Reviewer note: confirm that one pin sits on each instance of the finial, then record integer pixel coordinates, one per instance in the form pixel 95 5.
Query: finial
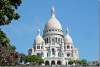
pixel 53 11
pixel 38 31
pixel 67 30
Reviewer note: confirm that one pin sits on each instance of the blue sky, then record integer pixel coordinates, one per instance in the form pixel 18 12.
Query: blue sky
pixel 81 16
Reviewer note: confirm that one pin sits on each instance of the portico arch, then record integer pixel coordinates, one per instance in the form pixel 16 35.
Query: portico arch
pixel 53 62
pixel 59 62
pixel 47 62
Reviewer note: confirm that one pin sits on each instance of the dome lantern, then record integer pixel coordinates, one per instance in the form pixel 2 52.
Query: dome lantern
pixel 53 12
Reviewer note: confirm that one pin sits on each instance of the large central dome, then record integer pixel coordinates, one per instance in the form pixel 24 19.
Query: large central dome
pixel 53 22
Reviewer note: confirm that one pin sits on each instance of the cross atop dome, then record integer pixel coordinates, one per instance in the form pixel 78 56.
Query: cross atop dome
pixel 67 31
pixel 38 31
pixel 53 11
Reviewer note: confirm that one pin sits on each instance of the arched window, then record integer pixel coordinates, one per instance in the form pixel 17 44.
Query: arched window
pixel 52 39
pixel 56 39
pixel 60 40
pixel 53 51
pixel 68 47
pixel 47 40
pixel 38 54
pixel 38 47
pixel 68 54
pixel 0 50
pixel 49 29
pixel 52 29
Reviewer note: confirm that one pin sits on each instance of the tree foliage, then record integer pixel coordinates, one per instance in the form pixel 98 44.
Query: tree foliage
pixel 70 62
pixel 78 62
pixel 83 62
pixel 34 59
pixel 8 11
pixel 8 55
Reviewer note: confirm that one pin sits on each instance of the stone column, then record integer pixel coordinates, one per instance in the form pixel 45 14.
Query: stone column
pixel 56 53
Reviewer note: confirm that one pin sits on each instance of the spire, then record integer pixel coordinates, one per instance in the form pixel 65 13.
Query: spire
pixel 38 31
pixel 53 11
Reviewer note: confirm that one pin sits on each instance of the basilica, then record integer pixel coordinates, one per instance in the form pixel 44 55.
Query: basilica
pixel 55 46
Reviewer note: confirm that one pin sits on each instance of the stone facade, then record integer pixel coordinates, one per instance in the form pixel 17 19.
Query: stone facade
pixel 55 47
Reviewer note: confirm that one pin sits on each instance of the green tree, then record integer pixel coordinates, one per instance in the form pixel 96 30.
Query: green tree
pixel 34 59
pixel 39 60
pixel 8 11
pixel 83 62
pixel 8 55
pixel 78 62
pixel 70 62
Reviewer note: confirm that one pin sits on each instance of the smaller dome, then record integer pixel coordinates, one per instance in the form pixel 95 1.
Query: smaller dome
pixel 39 40
pixel 68 38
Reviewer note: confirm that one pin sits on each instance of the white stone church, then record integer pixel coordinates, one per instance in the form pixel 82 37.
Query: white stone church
pixel 55 46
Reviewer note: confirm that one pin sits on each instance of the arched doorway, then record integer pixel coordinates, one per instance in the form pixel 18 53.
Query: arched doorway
pixel 53 62
pixel 46 62
pixel 59 62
